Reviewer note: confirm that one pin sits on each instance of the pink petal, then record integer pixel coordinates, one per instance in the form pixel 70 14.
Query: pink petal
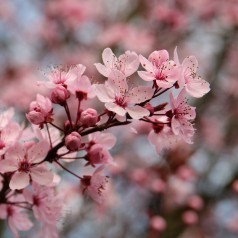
pixel 140 94
pixel 132 63
pixel 190 63
pixel 164 84
pixel 147 76
pixel 19 180
pixel 18 152
pixel 175 125
pixel 102 69
pixel 108 57
pixel 197 87
pixel 102 93
pixel 38 152
pixel 146 64
pixel 115 108
pixel 117 80
pixel 137 112
pixel 41 175
pixel 20 222
pixel 176 59
pixel 159 56
pixel 8 165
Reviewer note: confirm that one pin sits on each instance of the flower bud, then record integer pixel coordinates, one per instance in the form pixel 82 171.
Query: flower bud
pixel 40 111
pixel 73 141
pixel 89 117
pixel 59 95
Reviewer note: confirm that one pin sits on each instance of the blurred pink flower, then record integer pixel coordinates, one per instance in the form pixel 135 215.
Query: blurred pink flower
pixel 16 219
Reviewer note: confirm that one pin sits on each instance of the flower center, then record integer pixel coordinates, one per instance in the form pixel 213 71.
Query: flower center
pixel 24 166
pixel 2 144
pixel 121 101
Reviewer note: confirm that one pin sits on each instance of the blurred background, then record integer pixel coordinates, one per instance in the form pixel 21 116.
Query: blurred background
pixel 189 191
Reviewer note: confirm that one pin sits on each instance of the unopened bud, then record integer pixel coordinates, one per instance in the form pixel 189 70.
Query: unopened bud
pixel 89 117
pixel 59 95
pixel 73 141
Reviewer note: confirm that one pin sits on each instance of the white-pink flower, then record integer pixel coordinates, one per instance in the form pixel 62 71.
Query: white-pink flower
pixel 118 98
pixel 40 111
pixel 96 185
pixel 22 161
pixel 193 84
pixel 58 77
pixel 17 220
pixel 181 114
pixel 81 86
pixel 159 68
pixel 162 137
pixel 126 63
pixel 46 205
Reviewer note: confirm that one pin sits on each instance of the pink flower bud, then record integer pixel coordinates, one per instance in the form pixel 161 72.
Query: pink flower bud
pixel 59 95
pixel 89 117
pixel 158 223
pixel 190 217
pixel 40 111
pixel 73 141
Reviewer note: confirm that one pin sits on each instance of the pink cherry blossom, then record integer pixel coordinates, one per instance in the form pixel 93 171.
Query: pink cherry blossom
pixel 118 98
pixel 126 63
pixel 22 161
pixel 17 220
pixel 46 205
pixel 40 111
pixel 159 68
pixel 193 84
pixel 181 114
pixel 80 85
pixel 96 185
pixel 162 137
pixel 58 77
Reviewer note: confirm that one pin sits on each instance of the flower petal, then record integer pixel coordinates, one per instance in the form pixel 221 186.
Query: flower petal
pixel 19 180
pixel 137 112
pixel 140 94
pixel 38 152
pixel 115 108
pixel 41 175
pixel 102 69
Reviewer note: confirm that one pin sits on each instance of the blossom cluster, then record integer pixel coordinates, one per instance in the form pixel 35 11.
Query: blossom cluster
pixel 31 157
